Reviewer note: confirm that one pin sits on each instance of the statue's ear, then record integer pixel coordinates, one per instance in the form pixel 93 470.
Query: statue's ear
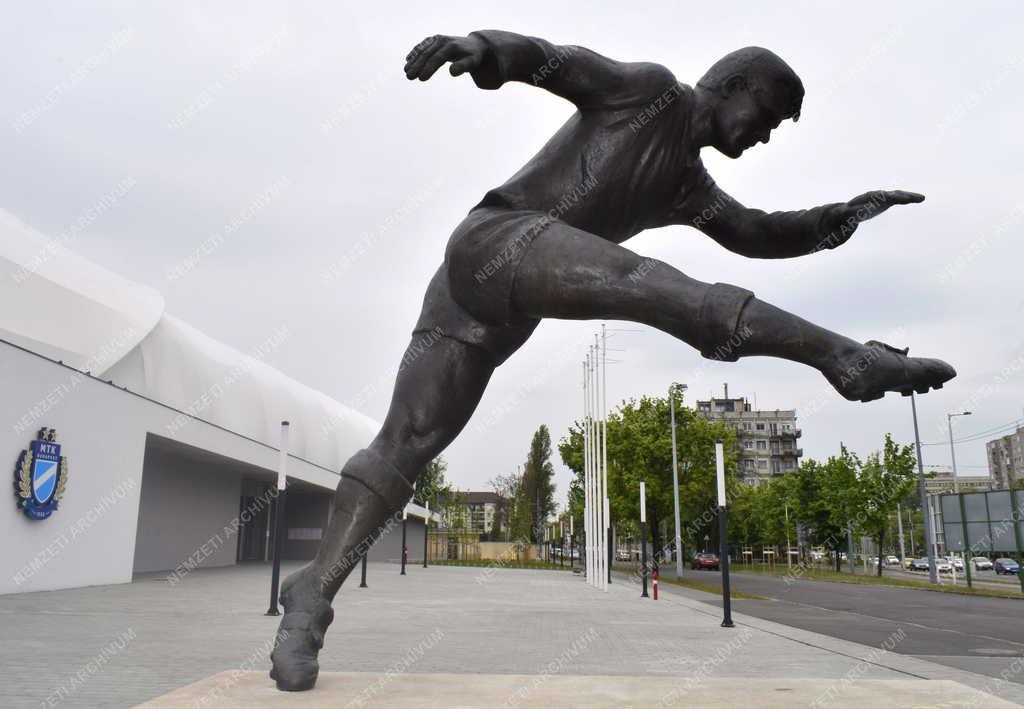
pixel 734 84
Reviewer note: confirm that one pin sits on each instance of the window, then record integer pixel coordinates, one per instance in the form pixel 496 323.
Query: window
pixel 762 445
pixel 748 463
pixel 763 464
pixel 760 427
pixel 746 425
pixel 785 427
pixel 748 444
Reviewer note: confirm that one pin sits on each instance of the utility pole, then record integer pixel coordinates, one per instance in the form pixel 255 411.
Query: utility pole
pixel 899 526
pixel 929 533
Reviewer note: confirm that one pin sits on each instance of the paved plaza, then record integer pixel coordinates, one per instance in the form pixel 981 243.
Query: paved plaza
pixel 125 644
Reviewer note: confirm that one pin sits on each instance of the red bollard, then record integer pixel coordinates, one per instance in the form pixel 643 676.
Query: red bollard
pixel 654 579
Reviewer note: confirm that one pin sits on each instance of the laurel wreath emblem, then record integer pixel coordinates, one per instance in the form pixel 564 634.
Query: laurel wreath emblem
pixel 25 475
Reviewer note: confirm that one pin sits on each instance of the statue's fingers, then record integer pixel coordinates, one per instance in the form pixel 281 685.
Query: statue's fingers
pixel 419 48
pixel 439 57
pixel 905 197
pixel 415 65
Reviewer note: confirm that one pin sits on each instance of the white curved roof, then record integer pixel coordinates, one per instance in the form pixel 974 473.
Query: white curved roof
pixel 67 308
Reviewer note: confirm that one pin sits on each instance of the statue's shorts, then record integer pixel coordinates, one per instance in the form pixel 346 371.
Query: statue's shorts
pixel 469 299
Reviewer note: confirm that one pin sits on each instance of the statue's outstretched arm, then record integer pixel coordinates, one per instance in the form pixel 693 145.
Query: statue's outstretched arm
pixel 494 57
pixel 758 234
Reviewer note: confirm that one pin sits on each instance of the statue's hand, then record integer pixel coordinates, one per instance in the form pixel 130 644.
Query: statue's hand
pixel 867 206
pixel 870 204
pixel 465 54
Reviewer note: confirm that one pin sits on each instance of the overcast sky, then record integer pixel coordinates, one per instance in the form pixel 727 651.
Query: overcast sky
pixel 289 139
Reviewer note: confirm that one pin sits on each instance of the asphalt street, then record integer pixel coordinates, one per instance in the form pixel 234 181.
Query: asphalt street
pixel 975 633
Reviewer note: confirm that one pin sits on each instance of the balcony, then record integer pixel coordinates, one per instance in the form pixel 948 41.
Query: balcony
pixel 792 453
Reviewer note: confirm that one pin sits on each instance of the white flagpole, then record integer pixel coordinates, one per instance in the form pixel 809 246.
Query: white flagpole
pixel 586 469
pixel 595 520
pixel 592 535
pixel 604 444
pixel 602 536
pixel 589 469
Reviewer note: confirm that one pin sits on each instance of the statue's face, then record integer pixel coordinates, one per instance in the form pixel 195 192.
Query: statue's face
pixel 742 120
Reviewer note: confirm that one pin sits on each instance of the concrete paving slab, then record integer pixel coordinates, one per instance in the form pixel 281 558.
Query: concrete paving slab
pixel 353 689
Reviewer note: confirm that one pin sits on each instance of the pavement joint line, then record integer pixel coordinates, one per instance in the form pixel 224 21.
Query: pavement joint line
pixel 896 662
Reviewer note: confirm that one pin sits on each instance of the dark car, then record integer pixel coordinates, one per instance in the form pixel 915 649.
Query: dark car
pixel 1006 566
pixel 704 561
pixel 919 565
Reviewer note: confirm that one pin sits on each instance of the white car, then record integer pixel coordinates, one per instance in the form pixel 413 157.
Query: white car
pixel 982 563
pixel 892 561
pixel 957 563
pixel 943 566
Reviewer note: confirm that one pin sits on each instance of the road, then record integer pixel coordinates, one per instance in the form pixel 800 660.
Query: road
pixel 974 633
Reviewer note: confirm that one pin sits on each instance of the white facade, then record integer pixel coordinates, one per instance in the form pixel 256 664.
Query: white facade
pixel 199 418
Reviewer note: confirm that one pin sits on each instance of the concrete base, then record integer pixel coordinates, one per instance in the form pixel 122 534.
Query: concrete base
pixel 359 689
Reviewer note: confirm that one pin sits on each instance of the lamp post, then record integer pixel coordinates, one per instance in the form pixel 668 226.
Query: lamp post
pixel 929 534
pixel 952 450
pixel 426 528
pixel 723 536
pixel 405 514
pixel 675 474
pixel 279 512
pixel 643 536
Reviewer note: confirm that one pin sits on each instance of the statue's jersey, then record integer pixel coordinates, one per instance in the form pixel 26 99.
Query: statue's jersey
pixel 624 162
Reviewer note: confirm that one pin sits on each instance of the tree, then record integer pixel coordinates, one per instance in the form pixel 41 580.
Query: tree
pixel 505 487
pixel 885 480
pixel 640 448
pixel 431 486
pixel 536 501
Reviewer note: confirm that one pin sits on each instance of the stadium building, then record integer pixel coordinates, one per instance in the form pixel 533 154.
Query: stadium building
pixel 138 444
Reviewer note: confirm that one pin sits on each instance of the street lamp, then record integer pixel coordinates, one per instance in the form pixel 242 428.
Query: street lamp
pixel 952 451
pixel 929 533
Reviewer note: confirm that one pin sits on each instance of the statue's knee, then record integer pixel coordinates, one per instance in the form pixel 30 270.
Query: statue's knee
pixel 377 470
pixel 719 321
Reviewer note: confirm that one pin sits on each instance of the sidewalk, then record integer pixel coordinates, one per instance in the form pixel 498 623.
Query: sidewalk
pixel 121 645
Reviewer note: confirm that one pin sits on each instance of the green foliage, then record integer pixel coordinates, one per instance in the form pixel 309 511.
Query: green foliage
pixel 640 448
pixel 431 486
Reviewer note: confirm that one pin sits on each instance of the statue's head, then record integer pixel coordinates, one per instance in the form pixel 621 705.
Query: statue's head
pixel 751 91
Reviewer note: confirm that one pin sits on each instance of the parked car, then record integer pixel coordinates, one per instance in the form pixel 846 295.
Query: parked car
pixel 982 563
pixel 956 561
pixel 1006 566
pixel 942 566
pixel 891 561
pixel 908 563
pixel 704 561
pixel 919 565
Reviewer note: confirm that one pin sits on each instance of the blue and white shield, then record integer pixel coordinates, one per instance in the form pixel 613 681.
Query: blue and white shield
pixel 44 480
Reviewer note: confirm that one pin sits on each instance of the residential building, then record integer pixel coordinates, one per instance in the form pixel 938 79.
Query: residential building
pixel 766 440
pixel 478 512
pixel 1006 459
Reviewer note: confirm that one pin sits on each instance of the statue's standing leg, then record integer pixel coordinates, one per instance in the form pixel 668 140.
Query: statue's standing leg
pixel 572 274
pixel 437 389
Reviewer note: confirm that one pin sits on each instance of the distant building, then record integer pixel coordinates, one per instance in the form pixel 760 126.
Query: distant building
pixel 766 440
pixel 942 481
pixel 1006 459
pixel 478 510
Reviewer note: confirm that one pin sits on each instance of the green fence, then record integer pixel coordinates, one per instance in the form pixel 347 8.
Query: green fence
pixel 984 523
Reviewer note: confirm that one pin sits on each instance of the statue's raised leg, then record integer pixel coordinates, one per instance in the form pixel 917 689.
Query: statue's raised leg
pixel 572 274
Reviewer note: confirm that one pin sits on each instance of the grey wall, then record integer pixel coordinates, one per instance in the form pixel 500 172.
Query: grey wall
pixel 185 507
pixel 388 546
